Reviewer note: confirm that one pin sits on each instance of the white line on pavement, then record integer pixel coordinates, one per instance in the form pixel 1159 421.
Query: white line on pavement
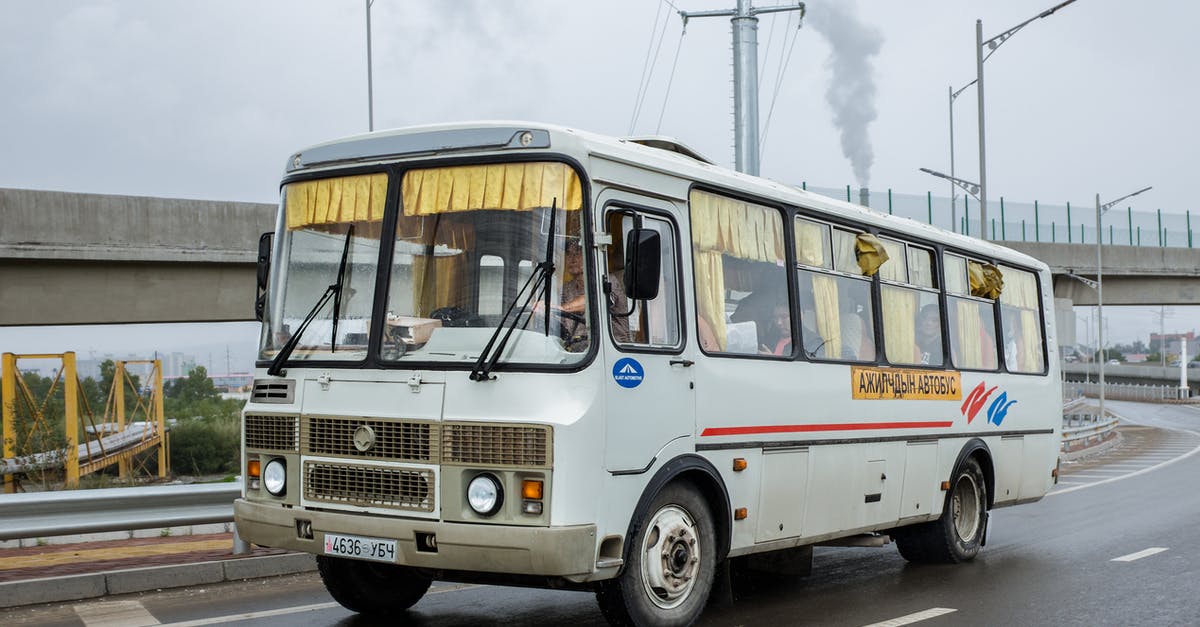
pixel 114 614
pixel 1137 472
pixel 917 617
pixel 1154 550
pixel 283 611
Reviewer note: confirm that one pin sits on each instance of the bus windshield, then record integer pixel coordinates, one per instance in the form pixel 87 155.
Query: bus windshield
pixel 459 265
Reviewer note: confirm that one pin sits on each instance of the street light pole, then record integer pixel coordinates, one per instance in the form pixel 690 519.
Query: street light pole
pixel 953 195
pixel 370 86
pixel 1100 209
pixel 992 44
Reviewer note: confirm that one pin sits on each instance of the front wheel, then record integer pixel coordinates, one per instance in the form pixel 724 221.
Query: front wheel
pixel 671 566
pixel 957 535
pixel 371 588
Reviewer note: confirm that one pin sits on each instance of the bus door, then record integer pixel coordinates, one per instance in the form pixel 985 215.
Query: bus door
pixel 648 385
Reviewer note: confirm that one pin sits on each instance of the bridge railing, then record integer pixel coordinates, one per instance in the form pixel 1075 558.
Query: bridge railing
pixel 1050 222
pixel 1127 391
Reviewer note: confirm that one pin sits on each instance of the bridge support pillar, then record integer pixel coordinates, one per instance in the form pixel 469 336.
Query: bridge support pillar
pixel 1064 323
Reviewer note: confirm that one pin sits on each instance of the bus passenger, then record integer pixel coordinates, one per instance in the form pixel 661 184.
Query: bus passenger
pixel 929 336
pixel 858 343
pixel 778 336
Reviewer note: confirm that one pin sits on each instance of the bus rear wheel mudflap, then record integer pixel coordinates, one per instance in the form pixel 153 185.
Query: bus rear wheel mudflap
pixel 371 588
pixel 957 535
pixel 671 565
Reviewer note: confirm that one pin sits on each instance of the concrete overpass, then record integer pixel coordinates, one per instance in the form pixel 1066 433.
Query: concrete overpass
pixel 68 258
pixel 1137 374
pixel 1133 275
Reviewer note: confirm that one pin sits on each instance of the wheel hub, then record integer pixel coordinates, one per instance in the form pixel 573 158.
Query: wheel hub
pixel 670 557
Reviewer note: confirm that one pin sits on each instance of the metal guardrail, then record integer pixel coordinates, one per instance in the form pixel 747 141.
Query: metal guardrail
pixel 1128 391
pixel 41 514
pixel 1088 431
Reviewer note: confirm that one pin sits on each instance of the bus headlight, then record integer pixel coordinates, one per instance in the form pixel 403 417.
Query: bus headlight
pixel 275 477
pixel 485 495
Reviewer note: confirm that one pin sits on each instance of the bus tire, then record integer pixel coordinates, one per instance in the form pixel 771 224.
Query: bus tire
pixel 371 588
pixel 671 566
pixel 957 535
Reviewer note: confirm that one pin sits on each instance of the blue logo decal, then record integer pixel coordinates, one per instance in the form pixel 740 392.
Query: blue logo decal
pixel 628 373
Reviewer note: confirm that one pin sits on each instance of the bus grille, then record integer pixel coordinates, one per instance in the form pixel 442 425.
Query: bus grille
pixel 272 433
pixel 389 439
pixel 496 445
pixel 369 486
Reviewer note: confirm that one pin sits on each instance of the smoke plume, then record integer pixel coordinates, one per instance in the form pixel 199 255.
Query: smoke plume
pixel 851 91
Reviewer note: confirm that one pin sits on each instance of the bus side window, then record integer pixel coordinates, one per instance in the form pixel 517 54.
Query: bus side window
pixel 741 286
pixel 970 312
pixel 651 323
pixel 1021 322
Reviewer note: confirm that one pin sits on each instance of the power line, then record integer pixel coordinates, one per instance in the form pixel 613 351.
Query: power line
pixel 642 82
pixel 671 78
pixel 652 65
pixel 782 70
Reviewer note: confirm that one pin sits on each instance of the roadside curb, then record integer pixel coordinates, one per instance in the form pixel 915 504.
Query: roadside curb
pixel 91 585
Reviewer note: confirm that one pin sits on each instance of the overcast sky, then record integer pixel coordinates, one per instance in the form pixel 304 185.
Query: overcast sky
pixel 207 99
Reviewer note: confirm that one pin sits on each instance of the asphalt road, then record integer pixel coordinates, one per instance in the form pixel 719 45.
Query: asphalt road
pixel 1111 545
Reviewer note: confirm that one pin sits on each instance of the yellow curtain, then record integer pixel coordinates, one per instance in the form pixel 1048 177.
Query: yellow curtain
pixel 986 280
pixel 810 243
pixel 436 286
pixel 829 321
pixel 506 186
pixel 1030 342
pixel 970 348
pixel 710 292
pixel 870 253
pixel 340 200
pixel 899 324
pixel 736 227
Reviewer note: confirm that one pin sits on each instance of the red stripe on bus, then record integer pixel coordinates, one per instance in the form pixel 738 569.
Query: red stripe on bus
pixel 846 426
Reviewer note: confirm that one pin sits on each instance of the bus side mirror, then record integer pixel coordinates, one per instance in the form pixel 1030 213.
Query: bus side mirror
pixel 264 270
pixel 643 254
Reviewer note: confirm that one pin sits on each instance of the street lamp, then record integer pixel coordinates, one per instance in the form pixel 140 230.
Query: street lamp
pixel 370 87
pixel 953 194
pixel 992 44
pixel 967 186
pixel 1100 210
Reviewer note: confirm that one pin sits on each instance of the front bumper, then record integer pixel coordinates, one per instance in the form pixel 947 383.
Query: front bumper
pixel 543 551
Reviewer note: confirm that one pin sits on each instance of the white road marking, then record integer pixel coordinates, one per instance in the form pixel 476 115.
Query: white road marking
pixel 917 617
pixel 1136 472
pixel 114 614
pixel 1140 554
pixel 283 611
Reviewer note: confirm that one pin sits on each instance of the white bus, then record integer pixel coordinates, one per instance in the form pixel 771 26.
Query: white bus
pixel 525 354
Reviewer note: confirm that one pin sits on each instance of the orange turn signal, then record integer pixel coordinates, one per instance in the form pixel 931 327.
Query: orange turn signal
pixel 739 464
pixel 740 513
pixel 945 485
pixel 531 489
pixel 253 469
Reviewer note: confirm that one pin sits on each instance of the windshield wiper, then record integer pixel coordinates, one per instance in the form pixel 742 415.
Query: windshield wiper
pixel 540 280
pixel 334 291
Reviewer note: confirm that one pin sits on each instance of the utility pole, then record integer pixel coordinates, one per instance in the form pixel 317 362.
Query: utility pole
pixel 745 76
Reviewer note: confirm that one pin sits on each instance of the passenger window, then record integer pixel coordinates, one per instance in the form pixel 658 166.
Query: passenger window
pixel 741 286
pixel 912 315
pixel 649 323
pixel 836 319
pixel 971 312
pixel 1021 322
pixel 896 267
pixel 812 244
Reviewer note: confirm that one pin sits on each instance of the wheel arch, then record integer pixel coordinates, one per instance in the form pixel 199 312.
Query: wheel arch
pixel 701 474
pixel 978 449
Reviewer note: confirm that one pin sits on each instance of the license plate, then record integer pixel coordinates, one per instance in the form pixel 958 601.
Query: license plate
pixel 358 547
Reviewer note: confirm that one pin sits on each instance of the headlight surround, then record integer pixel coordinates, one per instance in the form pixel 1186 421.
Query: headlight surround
pixel 274 477
pixel 485 494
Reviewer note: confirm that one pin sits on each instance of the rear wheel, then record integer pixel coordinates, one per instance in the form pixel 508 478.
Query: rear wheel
pixel 671 566
pixel 369 587
pixel 957 535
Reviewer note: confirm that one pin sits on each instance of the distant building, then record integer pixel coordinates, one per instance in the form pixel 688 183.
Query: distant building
pixel 1135 358
pixel 1172 343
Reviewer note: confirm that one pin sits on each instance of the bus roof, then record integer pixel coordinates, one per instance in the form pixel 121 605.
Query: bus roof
pixel 663 154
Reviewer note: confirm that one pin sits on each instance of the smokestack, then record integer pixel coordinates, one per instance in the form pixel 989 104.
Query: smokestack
pixel 864 197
